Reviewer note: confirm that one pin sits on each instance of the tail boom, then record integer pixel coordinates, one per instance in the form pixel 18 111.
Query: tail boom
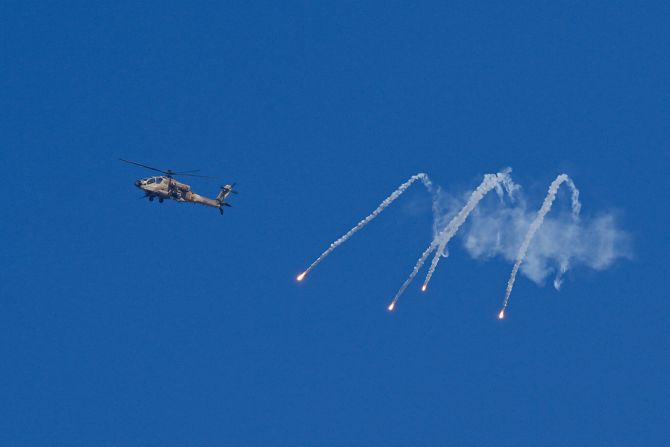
pixel 217 202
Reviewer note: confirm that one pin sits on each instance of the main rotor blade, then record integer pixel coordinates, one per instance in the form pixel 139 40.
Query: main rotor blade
pixel 144 166
pixel 191 175
pixel 170 172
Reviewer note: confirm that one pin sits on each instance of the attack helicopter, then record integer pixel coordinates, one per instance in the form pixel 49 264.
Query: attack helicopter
pixel 166 187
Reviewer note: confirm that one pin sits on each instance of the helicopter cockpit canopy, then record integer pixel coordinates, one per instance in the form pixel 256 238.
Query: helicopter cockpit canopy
pixel 152 180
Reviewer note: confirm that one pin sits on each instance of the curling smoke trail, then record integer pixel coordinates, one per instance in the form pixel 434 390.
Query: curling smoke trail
pixel 576 207
pixel 490 182
pixel 440 241
pixel 535 225
pixel 385 203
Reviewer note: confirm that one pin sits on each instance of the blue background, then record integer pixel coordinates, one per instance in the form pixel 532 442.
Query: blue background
pixel 124 322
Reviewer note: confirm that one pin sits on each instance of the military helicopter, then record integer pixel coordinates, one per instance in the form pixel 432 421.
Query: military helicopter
pixel 166 187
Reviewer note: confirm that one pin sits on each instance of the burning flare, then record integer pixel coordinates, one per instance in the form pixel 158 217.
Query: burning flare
pixel 423 287
pixel 391 306
pixel 501 315
pixel 301 276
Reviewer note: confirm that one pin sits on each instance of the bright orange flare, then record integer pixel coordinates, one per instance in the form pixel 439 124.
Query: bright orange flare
pixel 423 288
pixel 501 315
pixel 391 306
pixel 301 276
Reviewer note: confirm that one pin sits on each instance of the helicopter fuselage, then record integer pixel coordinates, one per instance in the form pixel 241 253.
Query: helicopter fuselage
pixel 168 188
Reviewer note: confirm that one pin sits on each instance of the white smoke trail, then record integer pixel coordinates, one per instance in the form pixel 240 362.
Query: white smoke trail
pixel 593 243
pixel 440 241
pixel 385 203
pixel 576 208
pixel 490 182
pixel 535 225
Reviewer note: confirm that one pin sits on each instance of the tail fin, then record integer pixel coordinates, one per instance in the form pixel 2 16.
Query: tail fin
pixel 225 192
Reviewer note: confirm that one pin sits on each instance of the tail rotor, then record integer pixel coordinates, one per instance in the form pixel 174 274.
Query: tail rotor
pixel 226 190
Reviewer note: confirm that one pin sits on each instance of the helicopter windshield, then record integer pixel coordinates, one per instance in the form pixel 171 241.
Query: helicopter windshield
pixel 159 179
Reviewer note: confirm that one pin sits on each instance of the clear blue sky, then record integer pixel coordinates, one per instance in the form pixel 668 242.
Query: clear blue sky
pixel 124 322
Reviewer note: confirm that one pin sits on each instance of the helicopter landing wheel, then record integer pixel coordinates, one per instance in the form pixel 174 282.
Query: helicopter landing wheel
pixel 160 200
pixel 151 198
